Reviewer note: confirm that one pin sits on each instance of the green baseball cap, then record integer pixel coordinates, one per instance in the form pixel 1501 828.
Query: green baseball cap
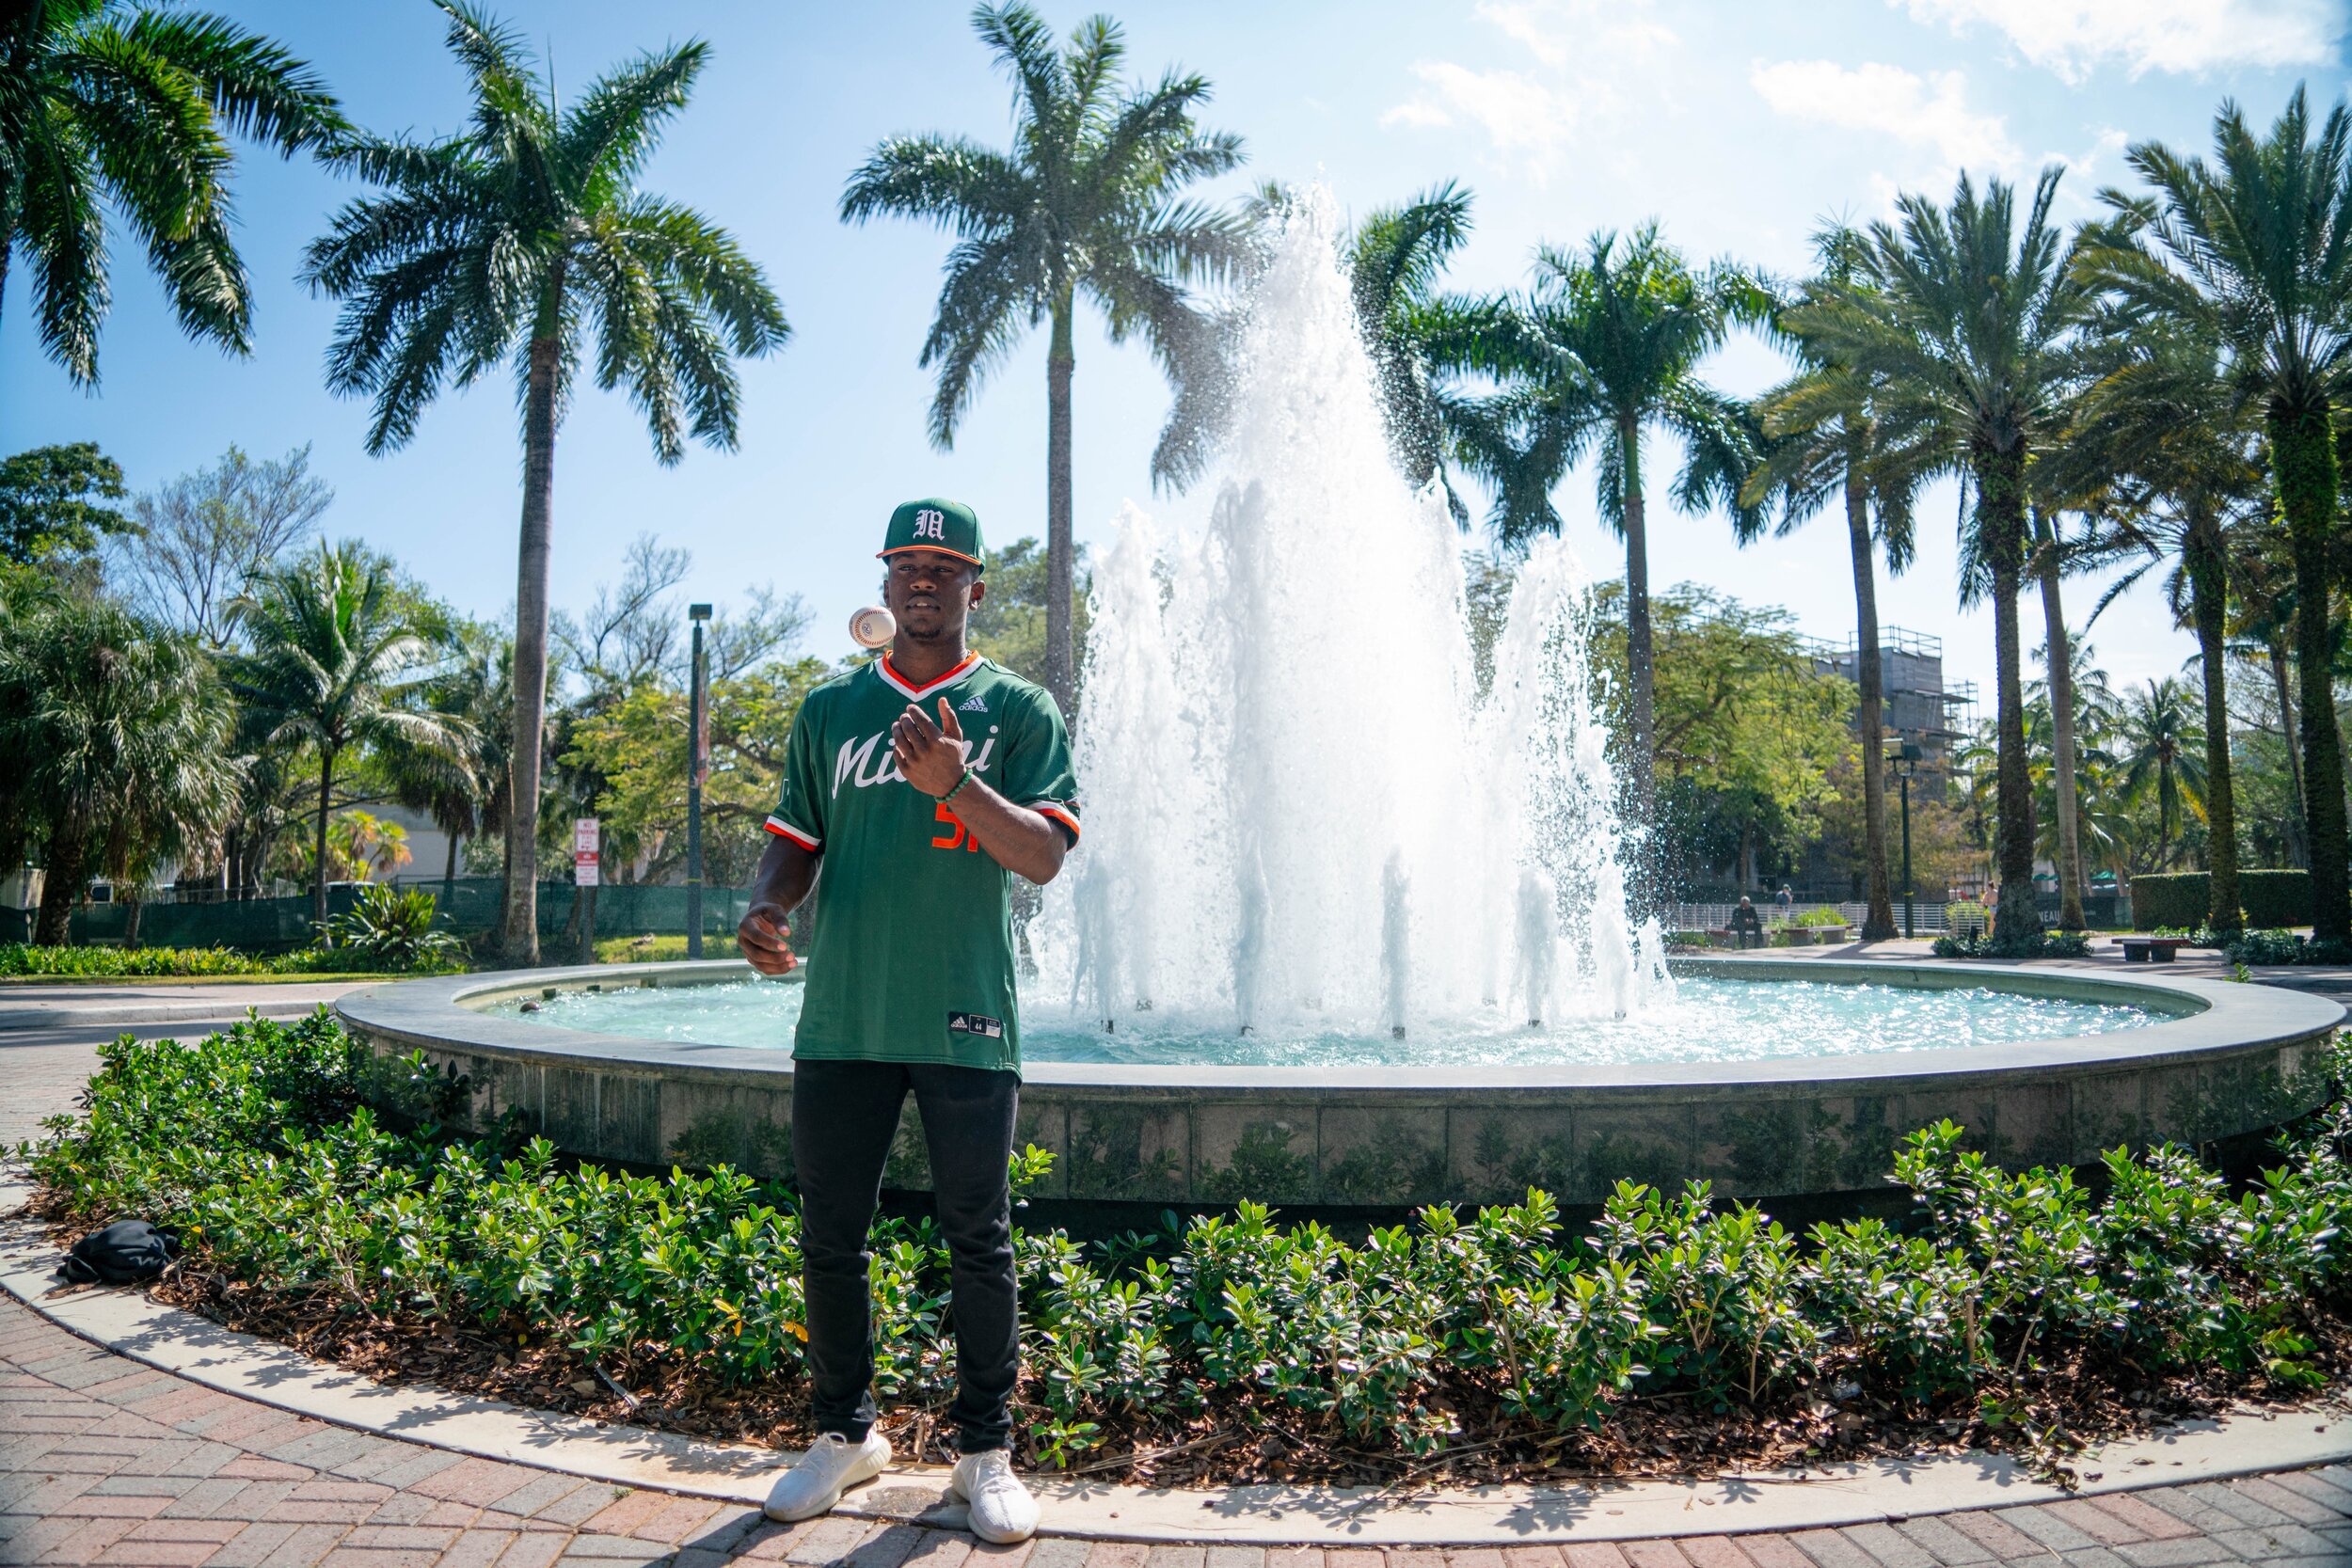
pixel 950 526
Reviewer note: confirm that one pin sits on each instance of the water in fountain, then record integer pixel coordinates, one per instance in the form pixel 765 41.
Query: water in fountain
pixel 1303 815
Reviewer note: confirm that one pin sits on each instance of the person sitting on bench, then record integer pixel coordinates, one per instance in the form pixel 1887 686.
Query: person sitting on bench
pixel 1747 923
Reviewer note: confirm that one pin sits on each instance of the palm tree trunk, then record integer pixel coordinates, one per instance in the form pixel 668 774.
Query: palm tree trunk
pixel 449 879
pixel 1061 660
pixel 2303 452
pixel 2070 847
pixel 1878 919
pixel 2208 591
pixel 520 929
pixel 1641 698
pixel 2299 839
pixel 318 879
pixel 2001 520
pixel 67 866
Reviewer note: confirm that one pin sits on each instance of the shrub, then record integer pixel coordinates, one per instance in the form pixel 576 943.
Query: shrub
pixel 2044 945
pixel 2184 899
pixel 1820 918
pixel 389 930
pixel 17 958
pixel 254 1146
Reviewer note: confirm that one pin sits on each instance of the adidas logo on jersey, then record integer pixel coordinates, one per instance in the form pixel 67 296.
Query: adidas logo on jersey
pixel 973 705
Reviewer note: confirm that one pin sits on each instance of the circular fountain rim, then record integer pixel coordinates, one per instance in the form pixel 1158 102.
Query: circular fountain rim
pixel 2205 1016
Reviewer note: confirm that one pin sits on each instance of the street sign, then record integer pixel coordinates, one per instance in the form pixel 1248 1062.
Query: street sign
pixel 586 841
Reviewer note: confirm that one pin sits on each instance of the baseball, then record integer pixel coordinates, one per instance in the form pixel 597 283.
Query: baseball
pixel 872 626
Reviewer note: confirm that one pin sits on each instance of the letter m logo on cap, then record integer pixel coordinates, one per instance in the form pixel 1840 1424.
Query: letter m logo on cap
pixel 930 523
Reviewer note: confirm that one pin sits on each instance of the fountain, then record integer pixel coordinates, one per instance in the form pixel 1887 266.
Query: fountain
pixel 1349 926
pixel 1295 682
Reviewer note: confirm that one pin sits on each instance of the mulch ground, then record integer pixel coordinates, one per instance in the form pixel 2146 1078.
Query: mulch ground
pixel 1239 1440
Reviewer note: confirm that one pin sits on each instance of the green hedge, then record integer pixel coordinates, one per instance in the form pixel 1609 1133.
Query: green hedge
pixel 2183 900
pixel 1503 1323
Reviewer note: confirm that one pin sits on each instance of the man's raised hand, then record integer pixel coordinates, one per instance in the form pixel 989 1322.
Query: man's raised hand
pixel 762 938
pixel 929 755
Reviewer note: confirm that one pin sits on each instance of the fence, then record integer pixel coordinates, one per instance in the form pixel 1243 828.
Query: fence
pixel 1926 918
pixel 474 905
pixel 2105 911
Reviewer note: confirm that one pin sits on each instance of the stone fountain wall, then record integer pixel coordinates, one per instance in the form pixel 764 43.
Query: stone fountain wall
pixel 2236 1059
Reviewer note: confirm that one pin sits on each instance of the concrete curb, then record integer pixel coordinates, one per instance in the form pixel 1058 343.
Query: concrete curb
pixel 125 1321
pixel 139 1014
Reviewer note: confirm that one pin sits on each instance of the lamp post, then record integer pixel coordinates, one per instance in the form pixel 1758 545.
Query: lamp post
pixel 696 761
pixel 1906 762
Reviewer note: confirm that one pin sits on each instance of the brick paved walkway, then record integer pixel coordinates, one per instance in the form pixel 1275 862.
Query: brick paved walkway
pixel 104 1461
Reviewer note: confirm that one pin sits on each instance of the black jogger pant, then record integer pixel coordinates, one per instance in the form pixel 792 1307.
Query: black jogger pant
pixel 844 1117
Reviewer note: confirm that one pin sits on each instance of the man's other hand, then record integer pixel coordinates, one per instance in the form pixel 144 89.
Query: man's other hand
pixel 762 937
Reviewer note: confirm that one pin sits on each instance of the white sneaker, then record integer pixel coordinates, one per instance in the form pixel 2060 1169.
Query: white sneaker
pixel 832 1465
pixel 1002 1512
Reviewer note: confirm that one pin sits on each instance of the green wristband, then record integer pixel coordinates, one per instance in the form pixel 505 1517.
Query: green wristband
pixel 959 790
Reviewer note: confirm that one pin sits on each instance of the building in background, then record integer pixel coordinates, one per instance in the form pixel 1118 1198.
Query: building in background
pixel 1921 708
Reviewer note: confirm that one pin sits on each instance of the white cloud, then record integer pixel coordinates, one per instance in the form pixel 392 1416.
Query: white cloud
pixel 1928 112
pixel 2070 37
pixel 1521 116
pixel 1570 65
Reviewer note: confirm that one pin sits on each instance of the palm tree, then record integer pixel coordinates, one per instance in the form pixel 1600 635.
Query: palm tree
pixel 2263 620
pixel 2255 250
pixel 2161 753
pixel 2051 555
pixel 101 107
pixel 1825 439
pixel 1607 347
pixel 116 734
pixel 334 660
pixel 454 783
pixel 2163 426
pixel 1417 337
pixel 514 241
pixel 1969 331
pixel 1082 205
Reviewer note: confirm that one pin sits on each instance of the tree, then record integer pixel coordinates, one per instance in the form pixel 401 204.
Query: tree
pixel 53 510
pixel 636 630
pixel 199 538
pixel 1748 735
pixel 1082 205
pixel 457 781
pixel 114 744
pixel 1969 332
pixel 515 240
pixel 2050 554
pixel 1825 439
pixel 1009 626
pixel 1607 347
pixel 102 107
pixel 2163 425
pixel 2162 754
pixel 1418 337
pixel 334 657
pixel 2255 250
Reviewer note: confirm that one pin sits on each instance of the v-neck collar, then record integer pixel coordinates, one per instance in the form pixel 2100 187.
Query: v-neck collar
pixel 906 688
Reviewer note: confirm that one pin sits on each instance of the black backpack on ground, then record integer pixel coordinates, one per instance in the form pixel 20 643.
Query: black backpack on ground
pixel 128 1252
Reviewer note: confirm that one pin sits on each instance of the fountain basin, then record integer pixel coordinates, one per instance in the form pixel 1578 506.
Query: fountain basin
pixel 2220 1060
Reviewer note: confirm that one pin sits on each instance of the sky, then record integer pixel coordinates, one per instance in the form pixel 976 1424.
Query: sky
pixel 1739 127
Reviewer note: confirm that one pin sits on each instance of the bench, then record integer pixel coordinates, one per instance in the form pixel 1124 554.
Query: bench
pixel 2152 950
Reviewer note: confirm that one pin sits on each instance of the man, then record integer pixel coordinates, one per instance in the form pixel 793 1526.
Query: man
pixel 1746 923
pixel 921 783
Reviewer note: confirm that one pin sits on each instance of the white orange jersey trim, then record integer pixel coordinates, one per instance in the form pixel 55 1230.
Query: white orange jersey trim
pixel 904 686
pixel 1059 812
pixel 784 830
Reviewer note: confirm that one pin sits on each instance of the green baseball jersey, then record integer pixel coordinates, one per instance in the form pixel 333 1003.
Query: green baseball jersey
pixel 912 955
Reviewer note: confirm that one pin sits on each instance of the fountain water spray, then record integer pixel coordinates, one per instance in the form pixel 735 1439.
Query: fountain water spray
pixel 1302 812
